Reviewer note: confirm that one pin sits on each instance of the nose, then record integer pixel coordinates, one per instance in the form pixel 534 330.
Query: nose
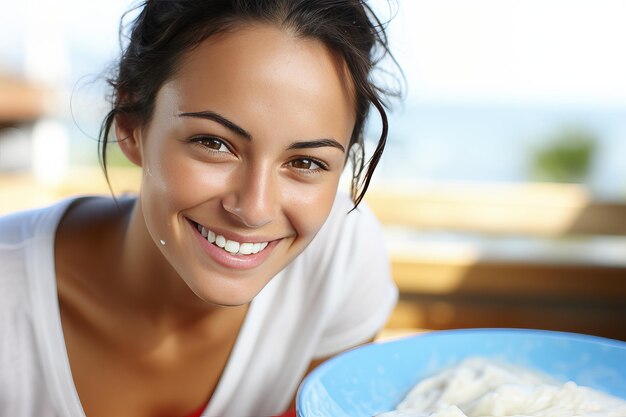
pixel 251 197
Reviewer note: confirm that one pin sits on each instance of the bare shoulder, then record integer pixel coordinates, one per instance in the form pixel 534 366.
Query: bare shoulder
pixel 90 212
pixel 87 232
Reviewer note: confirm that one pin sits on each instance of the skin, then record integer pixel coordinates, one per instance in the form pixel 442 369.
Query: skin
pixel 150 324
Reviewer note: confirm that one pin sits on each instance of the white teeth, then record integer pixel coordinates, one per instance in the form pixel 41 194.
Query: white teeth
pixel 246 248
pixel 231 246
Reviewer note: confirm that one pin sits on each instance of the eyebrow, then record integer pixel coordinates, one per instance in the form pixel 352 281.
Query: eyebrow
pixel 210 115
pixel 216 117
pixel 317 144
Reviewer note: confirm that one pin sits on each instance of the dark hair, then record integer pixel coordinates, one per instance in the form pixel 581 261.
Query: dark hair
pixel 164 30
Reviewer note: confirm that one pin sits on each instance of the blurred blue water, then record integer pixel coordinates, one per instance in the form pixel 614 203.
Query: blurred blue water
pixel 496 142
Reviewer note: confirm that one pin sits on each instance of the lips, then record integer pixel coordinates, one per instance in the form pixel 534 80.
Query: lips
pixel 233 255
pixel 231 246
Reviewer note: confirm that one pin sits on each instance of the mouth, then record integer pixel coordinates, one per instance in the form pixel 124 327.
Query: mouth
pixel 233 247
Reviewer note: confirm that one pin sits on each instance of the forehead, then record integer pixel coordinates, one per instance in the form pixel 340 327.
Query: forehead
pixel 261 71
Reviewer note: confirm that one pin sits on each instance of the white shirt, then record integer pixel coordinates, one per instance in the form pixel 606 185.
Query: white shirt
pixel 336 294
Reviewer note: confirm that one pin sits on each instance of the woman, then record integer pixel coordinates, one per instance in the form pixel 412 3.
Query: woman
pixel 238 268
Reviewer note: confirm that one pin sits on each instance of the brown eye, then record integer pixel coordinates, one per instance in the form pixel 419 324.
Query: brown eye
pixel 308 164
pixel 211 143
pixel 215 144
pixel 302 163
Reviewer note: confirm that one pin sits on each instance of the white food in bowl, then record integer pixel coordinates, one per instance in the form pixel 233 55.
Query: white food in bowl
pixel 479 387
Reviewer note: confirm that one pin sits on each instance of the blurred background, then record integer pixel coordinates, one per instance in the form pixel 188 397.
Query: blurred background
pixel 503 187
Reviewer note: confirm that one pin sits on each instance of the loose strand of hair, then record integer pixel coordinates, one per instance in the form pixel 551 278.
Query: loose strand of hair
pixel 376 155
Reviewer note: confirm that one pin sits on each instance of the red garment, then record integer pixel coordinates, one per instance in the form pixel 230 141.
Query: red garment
pixel 198 412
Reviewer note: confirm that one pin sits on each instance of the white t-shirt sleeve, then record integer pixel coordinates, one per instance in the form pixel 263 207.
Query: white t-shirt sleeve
pixel 363 291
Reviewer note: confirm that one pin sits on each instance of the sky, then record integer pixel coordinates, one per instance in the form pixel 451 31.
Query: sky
pixel 563 52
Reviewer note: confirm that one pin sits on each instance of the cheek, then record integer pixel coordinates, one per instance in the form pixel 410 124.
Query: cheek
pixel 176 181
pixel 308 208
pixel 173 183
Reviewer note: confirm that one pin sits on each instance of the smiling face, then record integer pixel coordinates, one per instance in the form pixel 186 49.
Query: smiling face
pixel 245 146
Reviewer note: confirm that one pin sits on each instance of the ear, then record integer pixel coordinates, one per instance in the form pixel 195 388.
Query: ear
pixel 128 132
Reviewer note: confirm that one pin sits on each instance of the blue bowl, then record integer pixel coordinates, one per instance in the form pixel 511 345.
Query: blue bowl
pixel 374 378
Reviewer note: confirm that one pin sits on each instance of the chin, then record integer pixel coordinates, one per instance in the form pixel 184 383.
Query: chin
pixel 226 295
